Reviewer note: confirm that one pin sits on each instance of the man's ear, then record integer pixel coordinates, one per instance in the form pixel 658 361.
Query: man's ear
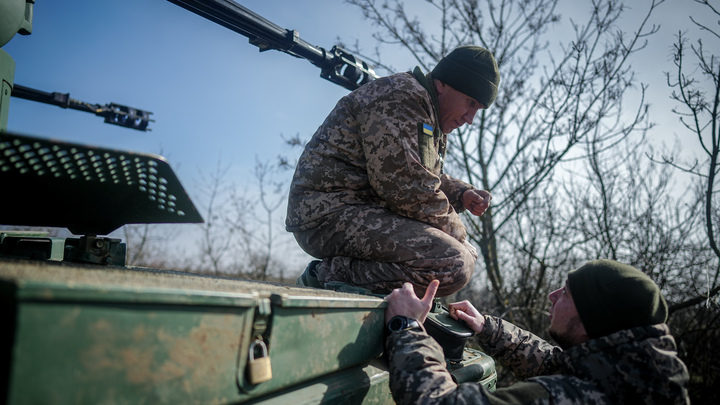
pixel 439 86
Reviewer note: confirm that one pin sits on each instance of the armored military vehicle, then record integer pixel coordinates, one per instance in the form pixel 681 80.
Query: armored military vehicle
pixel 79 326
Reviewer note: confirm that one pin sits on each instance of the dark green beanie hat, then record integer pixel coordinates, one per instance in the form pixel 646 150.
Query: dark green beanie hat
pixel 471 70
pixel 612 296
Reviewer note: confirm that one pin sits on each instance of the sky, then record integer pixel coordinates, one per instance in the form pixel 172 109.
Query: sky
pixel 212 94
pixel 215 97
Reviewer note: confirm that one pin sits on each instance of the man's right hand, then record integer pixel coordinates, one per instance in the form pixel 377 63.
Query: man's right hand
pixel 466 312
pixel 476 201
pixel 403 301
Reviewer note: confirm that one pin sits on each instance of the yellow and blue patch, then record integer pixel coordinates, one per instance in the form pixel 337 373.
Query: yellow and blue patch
pixel 427 129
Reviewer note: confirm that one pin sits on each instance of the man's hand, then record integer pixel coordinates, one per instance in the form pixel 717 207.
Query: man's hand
pixel 464 311
pixel 403 301
pixel 476 201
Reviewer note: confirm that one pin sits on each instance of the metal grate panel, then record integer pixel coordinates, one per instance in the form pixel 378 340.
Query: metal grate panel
pixel 88 190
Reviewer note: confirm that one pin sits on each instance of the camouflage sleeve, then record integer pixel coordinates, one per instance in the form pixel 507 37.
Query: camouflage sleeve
pixel 389 131
pixel 454 189
pixel 566 389
pixel 524 353
pixel 418 376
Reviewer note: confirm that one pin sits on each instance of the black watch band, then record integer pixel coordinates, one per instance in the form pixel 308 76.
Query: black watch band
pixel 400 323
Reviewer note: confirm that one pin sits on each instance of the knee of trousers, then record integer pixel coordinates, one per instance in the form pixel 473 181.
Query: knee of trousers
pixel 458 275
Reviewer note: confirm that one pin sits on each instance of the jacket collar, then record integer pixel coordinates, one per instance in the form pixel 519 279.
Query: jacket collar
pixel 426 80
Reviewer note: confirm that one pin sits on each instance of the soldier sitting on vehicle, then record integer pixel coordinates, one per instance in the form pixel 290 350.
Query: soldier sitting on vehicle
pixel 608 320
pixel 369 196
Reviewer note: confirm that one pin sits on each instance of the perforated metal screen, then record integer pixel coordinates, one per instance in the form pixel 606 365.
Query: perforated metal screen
pixel 86 189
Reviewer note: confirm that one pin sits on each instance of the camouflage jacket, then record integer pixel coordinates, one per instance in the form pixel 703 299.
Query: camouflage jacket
pixel 380 146
pixel 634 366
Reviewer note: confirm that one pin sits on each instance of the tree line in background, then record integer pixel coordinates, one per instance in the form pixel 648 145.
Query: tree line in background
pixel 568 159
pixel 241 235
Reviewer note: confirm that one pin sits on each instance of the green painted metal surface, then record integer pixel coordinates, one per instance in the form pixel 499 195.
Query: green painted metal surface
pixel 75 343
pixel 93 335
pixel 109 335
pixel 119 354
pixel 31 245
pixel 367 384
pixel 7 77
pixel 311 337
pixel 15 17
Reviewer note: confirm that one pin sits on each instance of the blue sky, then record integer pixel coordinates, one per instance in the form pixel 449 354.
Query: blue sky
pixel 214 96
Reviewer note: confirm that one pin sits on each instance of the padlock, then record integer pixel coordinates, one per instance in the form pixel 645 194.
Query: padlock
pixel 259 369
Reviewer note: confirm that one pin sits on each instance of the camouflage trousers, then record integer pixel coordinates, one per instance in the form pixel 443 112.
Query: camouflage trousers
pixel 376 249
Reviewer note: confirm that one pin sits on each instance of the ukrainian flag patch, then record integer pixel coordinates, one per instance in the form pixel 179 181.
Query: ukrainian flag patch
pixel 427 129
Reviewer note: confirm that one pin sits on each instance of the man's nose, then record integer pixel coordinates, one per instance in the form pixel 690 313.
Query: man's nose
pixel 553 296
pixel 470 116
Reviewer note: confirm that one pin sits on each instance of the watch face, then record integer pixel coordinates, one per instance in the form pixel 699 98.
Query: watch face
pixel 397 323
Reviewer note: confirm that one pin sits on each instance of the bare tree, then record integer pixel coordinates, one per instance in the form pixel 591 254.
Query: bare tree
pixel 256 223
pixel 698 92
pixel 627 208
pixel 221 223
pixel 238 237
pixel 145 246
pixel 696 84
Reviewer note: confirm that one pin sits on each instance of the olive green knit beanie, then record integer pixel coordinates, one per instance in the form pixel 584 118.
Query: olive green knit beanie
pixel 612 296
pixel 471 70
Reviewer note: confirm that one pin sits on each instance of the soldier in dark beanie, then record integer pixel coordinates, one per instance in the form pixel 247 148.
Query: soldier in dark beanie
pixel 369 197
pixel 614 346
pixel 612 296
pixel 470 70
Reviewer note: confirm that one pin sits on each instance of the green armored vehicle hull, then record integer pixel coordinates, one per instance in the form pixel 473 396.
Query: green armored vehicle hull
pixel 95 335
pixel 89 334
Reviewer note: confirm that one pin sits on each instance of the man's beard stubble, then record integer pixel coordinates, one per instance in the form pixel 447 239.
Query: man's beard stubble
pixel 566 339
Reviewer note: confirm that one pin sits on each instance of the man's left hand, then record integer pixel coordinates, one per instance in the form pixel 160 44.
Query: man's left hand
pixel 403 301
pixel 476 201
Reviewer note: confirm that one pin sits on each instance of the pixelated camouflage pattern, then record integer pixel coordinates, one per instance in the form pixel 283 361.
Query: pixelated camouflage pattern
pixel 568 389
pixel 366 152
pixel 632 366
pixel 517 349
pixel 418 376
pixel 362 199
pixel 376 249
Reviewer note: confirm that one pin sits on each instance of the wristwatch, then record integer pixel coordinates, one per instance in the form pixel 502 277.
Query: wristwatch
pixel 400 323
